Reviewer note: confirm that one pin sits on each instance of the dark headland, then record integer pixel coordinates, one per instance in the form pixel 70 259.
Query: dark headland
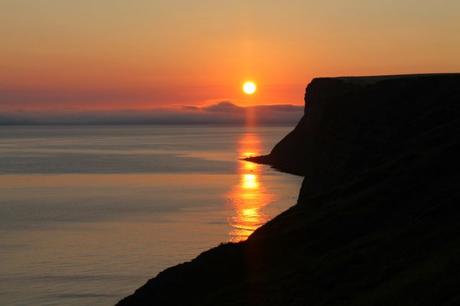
pixel 377 220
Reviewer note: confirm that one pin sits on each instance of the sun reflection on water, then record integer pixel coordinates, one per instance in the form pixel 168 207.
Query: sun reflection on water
pixel 249 196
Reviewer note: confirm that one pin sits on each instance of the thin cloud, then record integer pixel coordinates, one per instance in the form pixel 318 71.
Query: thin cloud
pixel 223 112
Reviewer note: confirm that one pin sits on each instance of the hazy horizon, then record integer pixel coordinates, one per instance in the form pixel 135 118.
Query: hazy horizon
pixel 223 112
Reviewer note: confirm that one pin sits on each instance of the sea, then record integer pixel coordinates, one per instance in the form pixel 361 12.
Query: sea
pixel 89 213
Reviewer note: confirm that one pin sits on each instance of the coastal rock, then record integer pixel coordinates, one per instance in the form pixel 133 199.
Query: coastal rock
pixel 376 221
pixel 353 124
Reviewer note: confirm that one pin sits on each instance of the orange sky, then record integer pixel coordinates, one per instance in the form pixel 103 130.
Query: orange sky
pixel 116 54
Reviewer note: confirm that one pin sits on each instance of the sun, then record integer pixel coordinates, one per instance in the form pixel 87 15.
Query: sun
pixel 249 87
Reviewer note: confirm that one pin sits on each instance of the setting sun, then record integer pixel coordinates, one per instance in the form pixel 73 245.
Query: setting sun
pixel 249 87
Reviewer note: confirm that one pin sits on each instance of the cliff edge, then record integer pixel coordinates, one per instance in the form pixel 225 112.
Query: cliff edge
pixel 376 221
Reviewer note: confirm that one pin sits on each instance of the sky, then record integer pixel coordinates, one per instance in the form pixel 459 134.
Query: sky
pixel 112 55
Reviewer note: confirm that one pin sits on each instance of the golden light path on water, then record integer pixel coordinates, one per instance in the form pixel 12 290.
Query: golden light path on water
pixel 249 196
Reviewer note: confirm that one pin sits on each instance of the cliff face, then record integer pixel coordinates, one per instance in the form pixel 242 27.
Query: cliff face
pixel 354 124
pixel 377 218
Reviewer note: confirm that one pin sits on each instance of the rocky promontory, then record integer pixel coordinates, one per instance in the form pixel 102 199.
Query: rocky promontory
pixel 377 218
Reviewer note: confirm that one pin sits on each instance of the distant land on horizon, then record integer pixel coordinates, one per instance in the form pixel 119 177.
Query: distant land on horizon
pixel 225 112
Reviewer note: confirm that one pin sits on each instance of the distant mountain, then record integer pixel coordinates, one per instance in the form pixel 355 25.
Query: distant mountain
pixel 377 218
pixel 223 112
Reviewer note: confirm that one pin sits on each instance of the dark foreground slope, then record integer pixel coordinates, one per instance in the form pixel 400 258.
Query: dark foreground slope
pixel 378 217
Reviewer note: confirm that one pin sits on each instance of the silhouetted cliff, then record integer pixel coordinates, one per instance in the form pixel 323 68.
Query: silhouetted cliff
pixel 376 222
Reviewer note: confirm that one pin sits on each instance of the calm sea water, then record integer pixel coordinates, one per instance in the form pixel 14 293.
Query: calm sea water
pixel 88 214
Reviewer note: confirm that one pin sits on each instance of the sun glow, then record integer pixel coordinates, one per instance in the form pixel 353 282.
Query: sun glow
pixel 249 87
pixel 249 181
pixel 249 196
